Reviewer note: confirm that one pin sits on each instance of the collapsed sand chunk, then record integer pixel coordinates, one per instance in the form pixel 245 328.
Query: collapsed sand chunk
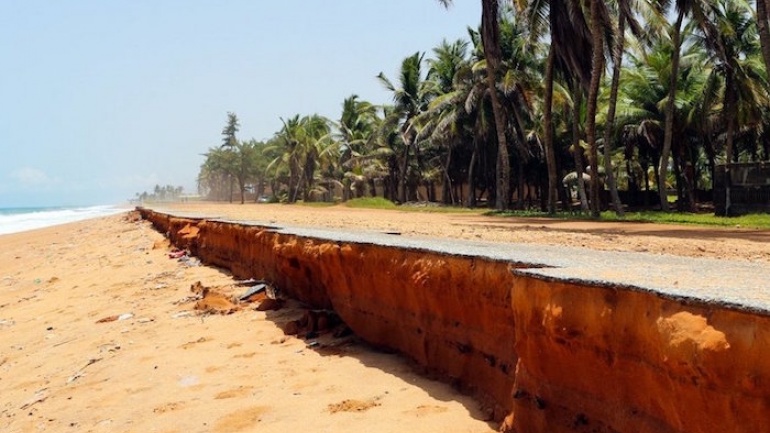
pixel 212 301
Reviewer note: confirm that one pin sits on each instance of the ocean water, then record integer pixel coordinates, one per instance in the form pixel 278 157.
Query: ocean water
pixel 20 219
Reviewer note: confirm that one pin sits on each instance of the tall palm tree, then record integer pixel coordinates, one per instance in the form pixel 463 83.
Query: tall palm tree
pixel 625 16
pixel 490 36
pixel 698 10
pixel 763 27
pixel 599 22
pixel 565 23
pixel 410 98
pixel 229 141
pixel 733 48
pixel 355 130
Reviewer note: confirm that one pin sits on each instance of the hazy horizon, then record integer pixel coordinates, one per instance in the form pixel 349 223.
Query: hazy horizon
pixel 112 98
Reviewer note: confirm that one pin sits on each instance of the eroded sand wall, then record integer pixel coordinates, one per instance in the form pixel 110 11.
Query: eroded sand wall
pixel 449 314
pixel 566 357
pixel 608 360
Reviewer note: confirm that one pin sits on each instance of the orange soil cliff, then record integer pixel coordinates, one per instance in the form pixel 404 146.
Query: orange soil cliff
pixel 566 357
pixel 446 313
pixel 608 360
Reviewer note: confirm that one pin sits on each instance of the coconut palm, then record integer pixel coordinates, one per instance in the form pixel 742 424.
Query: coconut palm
pixel 734 53
pixel 355 130
pixel 698 10
pixel 410 98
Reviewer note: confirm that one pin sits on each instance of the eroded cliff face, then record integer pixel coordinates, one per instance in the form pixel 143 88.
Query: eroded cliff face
pixel 449 314
pixel 559 357
pixel 608 360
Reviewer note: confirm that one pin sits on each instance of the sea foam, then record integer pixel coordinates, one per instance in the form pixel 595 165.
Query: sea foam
pixel 15 220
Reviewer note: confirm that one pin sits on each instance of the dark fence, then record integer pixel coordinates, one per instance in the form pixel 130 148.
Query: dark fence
pixel 749 188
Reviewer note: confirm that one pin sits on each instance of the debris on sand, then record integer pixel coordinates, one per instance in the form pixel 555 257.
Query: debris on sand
pixel 253 292
pixel 212 301
pixel 177 254
pixel 352 406
pixel 39 397
pixel 119 317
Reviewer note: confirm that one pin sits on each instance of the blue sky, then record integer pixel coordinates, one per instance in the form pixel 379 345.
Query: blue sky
pixel 104 99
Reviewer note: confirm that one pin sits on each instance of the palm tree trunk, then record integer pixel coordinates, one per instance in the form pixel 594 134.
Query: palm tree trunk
pixel 577 148
pixel 402 188
pixel 550 157
pixel 730 107
pixel 471 175
pixel 764 32
pixel 668 134
pixel 597 69
pixel 610 124
pixel 447 193
pixel 490 38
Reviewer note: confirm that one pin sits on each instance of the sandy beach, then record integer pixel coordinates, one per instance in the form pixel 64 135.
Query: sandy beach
pixel 99 335
pixel 99 331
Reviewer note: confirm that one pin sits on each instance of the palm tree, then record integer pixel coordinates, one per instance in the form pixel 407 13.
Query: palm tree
pixel 599 22
pixel 570 39
pixel 355 130
pixel 643 100
pixel 763 27
pixel 410 99
pixel 625 14
pixel 698 9
pixel 229 141
pixel 302 143
pixel 446 123
pixel 733 50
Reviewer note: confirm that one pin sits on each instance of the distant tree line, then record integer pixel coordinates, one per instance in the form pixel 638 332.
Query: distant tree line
pixel 582 104
pixel 160 193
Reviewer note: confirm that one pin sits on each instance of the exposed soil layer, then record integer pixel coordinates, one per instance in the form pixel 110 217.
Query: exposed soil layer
pixel 603 360
pixel 558 356
pixel 446 313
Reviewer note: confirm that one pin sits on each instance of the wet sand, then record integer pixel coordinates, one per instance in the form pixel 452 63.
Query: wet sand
pixel 162 367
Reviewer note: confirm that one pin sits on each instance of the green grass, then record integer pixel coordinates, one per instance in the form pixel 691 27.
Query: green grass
pixel 381 203
pixel 371 203
pixel 757 221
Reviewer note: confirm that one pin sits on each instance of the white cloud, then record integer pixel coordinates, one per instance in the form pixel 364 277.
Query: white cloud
pixel 29 176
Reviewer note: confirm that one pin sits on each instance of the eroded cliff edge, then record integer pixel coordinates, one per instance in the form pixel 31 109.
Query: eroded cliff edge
pixel 561 355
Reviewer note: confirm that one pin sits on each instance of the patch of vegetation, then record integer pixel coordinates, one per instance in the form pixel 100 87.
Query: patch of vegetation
pixel 371 203
pixel 757 221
